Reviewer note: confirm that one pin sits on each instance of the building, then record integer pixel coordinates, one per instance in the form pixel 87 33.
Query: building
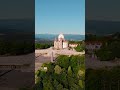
pixel 60 42
pixel 93 45
pixel 73 45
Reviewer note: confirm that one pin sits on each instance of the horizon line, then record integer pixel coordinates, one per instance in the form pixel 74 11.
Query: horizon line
pixel 59 33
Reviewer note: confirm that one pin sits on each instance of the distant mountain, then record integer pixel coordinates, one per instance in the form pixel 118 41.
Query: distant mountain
pixel 16 26
pixel 53 36
pixel 17 29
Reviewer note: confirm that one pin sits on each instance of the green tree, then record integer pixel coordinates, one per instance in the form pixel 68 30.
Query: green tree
pixel 81 83
pixel 63 61
pixel 69 71
pixel 64 74
pixel 57 69
pixel 80 48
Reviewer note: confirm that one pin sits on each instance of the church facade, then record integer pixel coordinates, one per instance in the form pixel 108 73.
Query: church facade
pixel 60 42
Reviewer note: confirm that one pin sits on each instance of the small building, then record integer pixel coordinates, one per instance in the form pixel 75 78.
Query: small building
pixel 93 45
pixel 73 45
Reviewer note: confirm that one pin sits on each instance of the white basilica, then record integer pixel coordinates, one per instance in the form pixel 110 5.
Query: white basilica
pixel 60 42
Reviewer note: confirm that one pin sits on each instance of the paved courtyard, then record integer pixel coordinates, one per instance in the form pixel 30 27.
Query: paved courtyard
pixel 95 63
pixel 21 77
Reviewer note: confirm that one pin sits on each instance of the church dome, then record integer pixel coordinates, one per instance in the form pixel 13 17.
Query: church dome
pixel 61 36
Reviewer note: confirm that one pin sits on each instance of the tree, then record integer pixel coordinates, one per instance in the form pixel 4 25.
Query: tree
pixel 74 61
pixel 50 67
pixel 57 69
pixel 81 83
pixel 69 71
pixel 80 48
pixel 63 61
pixel 59 87
pixel 64 74
pixel 81 73
pixel 42 45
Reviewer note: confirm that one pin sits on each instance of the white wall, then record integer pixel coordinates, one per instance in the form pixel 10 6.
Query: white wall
pixel 65 44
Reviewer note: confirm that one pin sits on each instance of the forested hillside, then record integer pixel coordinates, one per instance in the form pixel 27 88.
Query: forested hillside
pixel 66 73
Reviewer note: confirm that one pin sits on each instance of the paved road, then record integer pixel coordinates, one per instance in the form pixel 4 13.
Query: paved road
pixel 95 64
pixel 47 52
pixel 19 79
pixel 40 60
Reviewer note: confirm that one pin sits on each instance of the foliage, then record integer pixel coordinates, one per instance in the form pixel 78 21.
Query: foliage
pixel 109 51
pixel 16 47
pixel 57 69
pixel 105 55
pixel 80 47
pixel 102 79
pixel 75 42
pixel 70 71
pixel 42 45
pixel 63 74
pixel 81 83
pixel 63 61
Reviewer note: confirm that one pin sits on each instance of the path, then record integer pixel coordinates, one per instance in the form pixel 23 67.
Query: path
pixel 95 64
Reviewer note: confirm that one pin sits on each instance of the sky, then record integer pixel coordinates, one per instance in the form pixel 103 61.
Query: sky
pixel 16 9
pixel 105 10
pixel 60 16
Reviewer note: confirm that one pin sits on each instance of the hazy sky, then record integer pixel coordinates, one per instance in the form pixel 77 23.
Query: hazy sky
pixel 60 16
pixel 107 10
pixel 16 9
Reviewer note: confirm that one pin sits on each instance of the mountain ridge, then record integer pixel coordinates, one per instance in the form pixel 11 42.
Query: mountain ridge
pixel 53 36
